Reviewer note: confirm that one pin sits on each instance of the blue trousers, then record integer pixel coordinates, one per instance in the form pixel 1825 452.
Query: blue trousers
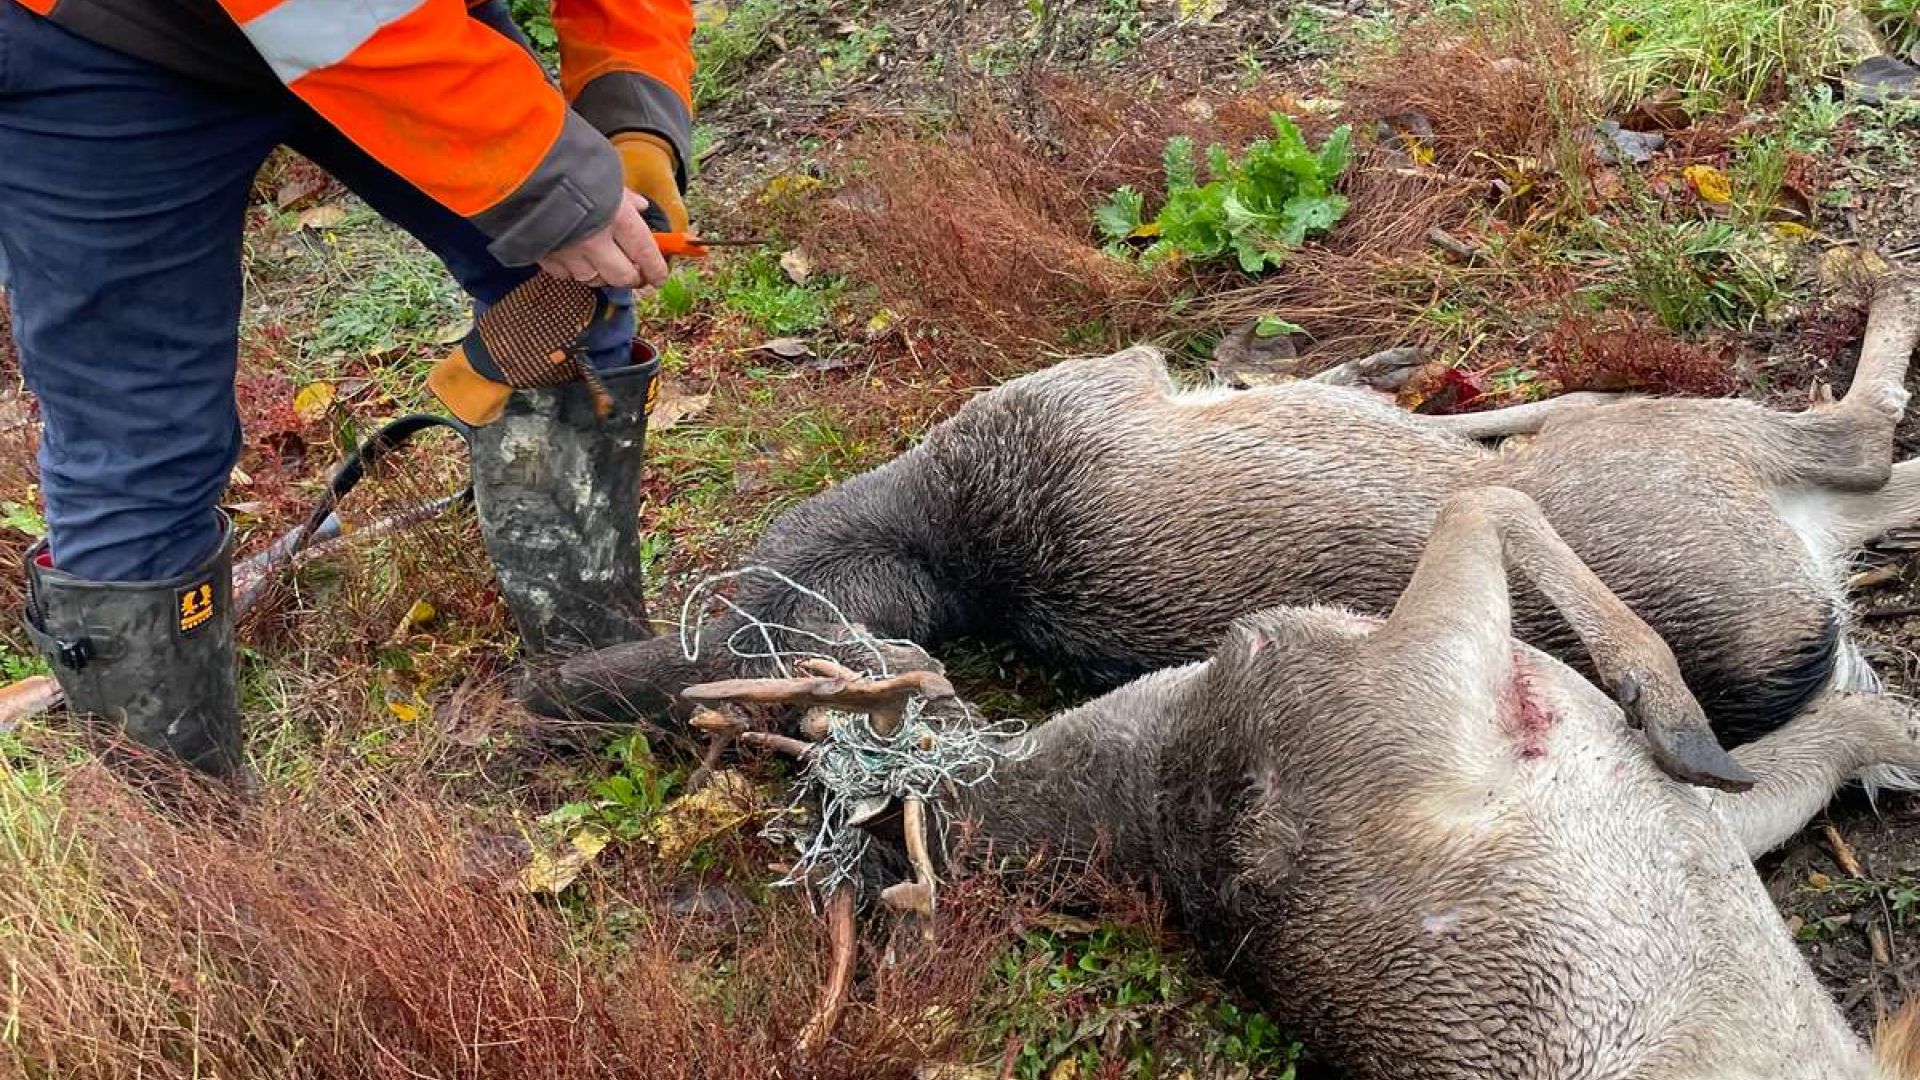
pixel 123 195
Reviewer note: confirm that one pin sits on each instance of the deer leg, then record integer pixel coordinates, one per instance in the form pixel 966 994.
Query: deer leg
pixel 1849 444
pixel 1893 328
pixel 1525 419
pixel 1459 593
pixel 1855 518
pixel 1800 766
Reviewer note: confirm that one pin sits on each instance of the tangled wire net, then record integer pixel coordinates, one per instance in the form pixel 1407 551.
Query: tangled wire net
pixel 705 600
pixel 933 753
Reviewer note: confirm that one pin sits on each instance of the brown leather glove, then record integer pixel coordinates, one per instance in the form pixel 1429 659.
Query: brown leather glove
pixel 649 163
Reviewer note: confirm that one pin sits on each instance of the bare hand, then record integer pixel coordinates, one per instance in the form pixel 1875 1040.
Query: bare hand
pixel 623 254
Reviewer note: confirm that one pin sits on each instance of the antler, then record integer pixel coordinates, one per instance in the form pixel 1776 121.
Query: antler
pixel 833 995
pixel 914 896
pixel 827 685
pixel 884 699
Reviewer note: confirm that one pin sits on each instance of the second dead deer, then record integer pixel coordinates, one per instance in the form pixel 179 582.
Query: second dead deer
pixel 1440 854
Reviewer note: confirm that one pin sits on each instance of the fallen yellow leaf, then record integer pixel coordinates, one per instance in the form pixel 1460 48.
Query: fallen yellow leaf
pixel 551 872
pixel 797 265
pixel 420 614
pixel 313 401
pixel 727 802
pixel 1201 11
pixel 1709 183
pixel 675 406
pixel 787 185
pixel 1850 265
pixel 404 710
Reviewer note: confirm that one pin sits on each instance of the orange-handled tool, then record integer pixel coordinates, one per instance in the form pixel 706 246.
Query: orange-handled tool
pixel 687 245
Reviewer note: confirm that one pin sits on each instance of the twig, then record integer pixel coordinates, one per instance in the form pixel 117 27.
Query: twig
pixel 1879 575
pixel 1842 853
pixel 1897 611
pixel 1454 246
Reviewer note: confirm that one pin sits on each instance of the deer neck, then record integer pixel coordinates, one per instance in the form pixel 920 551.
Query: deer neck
pixel 1083 783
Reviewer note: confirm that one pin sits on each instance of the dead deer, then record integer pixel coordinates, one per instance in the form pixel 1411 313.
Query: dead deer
pixel 1114 525
pixel 1441 854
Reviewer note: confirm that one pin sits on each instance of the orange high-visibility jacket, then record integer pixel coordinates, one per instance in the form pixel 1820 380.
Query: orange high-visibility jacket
pixel 438 96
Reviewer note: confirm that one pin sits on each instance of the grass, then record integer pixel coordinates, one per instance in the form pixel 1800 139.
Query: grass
pixel 1717 52
pixel 757 289
pixel 1897 21
pixel 729 42
pixel 1693 275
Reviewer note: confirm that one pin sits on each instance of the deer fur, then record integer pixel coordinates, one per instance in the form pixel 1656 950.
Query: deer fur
pixel 1441 854
pixel 1114 524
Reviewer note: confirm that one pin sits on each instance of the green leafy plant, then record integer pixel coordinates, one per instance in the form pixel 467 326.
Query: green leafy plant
pixel 23 517
pixel 15 666
pixel 535 19
pixel 624 803
pixel 1107 1001
pixel 1256 207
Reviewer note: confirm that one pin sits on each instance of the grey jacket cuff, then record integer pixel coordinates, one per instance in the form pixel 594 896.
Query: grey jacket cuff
pixel 571 195
pixel 629 101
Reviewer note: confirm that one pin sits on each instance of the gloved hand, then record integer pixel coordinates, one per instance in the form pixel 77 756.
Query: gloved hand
pixel 649 163
pixel 532 337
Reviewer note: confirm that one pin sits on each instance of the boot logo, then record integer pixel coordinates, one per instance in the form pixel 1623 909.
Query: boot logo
pixel 195 606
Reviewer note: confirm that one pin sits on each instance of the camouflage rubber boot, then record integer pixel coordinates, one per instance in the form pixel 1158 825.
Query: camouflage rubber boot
pixel 557 490
pixel 154 659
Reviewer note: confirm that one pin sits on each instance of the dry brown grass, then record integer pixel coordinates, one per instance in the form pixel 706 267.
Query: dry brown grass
pixel 985 230
pixel 353 926
pixel 19 438
pixel 1476 136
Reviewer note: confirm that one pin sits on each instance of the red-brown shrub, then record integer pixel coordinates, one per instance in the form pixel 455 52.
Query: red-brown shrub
pixel 986 231
pixel 353 927
pixel 1621 351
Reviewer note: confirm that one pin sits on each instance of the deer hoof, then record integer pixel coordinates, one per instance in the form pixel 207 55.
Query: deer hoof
pixel 1689 753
